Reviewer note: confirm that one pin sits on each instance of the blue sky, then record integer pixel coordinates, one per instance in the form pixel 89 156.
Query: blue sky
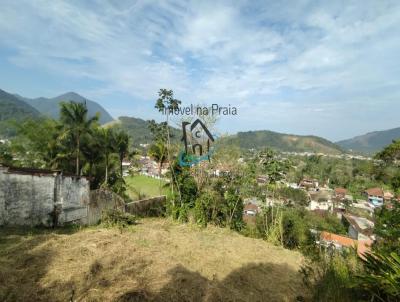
pixel 328 68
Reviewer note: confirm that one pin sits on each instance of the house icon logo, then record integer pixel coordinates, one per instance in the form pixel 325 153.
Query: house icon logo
pixel 197 140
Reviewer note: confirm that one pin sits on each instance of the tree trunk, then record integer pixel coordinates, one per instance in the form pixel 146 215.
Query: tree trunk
pixel 106 180
pixel 121 158
pixel 77 155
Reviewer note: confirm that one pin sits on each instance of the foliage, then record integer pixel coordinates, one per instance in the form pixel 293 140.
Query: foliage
pixel 387 228
pixel 282 142
pixel 12 110
pixel 75 122
pixel 117 218
pixel 382 276
pixel 331 278
pixel 293 196
pixel 390 153
pixel 75 144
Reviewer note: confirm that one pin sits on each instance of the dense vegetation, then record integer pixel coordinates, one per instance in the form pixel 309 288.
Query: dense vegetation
pixel 139 130
pixel 13 110
pixel 75 144
pixel 282 142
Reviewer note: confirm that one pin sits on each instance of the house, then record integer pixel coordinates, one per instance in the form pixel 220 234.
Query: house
pixel 359 228
pixel 320 200
pixel 251 209
pixel 308 184
pixel 337 241
pixel 340 243
pixel 126 166
pixel 387 196
pixel 374 196
pixel 340 193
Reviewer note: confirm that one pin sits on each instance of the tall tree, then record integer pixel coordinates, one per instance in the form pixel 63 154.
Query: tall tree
pixel 167 103
pixel 74 117
pixel 122 146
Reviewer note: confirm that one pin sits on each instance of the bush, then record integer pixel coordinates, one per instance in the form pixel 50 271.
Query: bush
pixel 331 278
pixel 117 218
pixel 382 276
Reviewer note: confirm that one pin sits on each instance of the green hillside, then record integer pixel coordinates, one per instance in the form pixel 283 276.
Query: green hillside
pixel 13 109
pixel 282 142
pixel 138 129
pixel 372 142
pixel 50 106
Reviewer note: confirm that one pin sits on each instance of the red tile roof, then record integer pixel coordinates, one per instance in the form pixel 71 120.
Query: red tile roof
pixel 342 240
pixel 251 207
pixel 375 191
pixel 340 191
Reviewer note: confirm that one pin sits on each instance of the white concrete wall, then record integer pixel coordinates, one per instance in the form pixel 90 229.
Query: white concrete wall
pixel 29 199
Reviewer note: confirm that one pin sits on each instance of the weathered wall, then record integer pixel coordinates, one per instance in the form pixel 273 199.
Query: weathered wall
pixel 25 199
pixel 101 200
pixel 147 207
pixel 29 196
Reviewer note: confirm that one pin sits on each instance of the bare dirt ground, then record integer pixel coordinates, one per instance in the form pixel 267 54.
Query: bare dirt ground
pixel 156 260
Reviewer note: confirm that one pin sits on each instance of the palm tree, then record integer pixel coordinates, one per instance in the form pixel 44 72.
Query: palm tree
pixel 158 151
pixel 122 146
pixel 74 117
pixel 91 149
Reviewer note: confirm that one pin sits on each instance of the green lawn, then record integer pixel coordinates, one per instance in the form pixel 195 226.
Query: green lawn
pixel 141 186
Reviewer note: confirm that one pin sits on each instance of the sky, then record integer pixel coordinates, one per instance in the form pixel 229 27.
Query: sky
pixel 327 68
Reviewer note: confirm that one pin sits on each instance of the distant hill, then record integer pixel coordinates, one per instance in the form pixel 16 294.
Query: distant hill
pixel 282 142
pixel 50 106
pixel 138 129
pixel 372 142
pixel 12 108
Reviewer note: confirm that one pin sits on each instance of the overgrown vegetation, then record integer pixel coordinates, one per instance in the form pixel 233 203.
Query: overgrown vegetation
pixel 117 218
pixel 74 144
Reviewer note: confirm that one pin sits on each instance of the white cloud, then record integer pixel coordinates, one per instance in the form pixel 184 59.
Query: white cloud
pixel 259 53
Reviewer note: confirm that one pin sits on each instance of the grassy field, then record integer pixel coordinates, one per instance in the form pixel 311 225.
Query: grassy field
pixel 141 186
pixel 156 260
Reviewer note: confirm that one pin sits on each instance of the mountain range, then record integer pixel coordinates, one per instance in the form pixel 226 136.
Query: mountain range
pixel 282 142
pixel 12 108
pixel 50 106
pixel 371 142
pixel 16 107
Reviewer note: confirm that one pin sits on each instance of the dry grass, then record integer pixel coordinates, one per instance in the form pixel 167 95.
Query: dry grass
pixel 157 260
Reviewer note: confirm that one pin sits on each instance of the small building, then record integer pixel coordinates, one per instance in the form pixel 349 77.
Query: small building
pixel 340 243
pixel 374 196
pixel 251 209
pixel 388 196
pixel 359 228
pixel 340 193
pixel 308 184
pixel 320 200
pixel 126 166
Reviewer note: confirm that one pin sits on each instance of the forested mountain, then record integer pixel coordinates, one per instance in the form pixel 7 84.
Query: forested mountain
pixel 50 106
pixel 371 142
pixel 282 142
pixel 12 108
pixel 139 131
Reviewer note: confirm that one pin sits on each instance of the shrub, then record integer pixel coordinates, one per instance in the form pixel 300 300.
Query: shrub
pixel 117 218
pixel 382 276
